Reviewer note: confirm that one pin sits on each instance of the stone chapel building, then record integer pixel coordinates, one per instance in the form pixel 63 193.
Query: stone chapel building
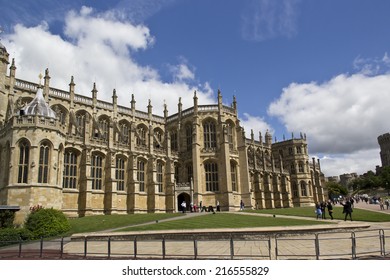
pixel 85 156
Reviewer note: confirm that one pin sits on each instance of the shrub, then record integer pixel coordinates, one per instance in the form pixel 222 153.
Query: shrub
pixel 7 219
pixel 46 223
pixel 10 236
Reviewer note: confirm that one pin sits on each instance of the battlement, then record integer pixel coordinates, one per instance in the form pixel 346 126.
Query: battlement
pixel 384 139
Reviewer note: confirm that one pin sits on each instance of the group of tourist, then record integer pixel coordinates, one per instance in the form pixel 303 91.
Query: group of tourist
pixel 201 208
pixel 323 206
pixel 321 209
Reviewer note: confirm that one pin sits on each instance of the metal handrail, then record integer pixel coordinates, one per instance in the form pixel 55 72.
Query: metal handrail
pixel 107 250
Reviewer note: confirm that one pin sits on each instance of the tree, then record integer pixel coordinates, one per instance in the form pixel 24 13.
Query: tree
pixel 385 177
pixel 335 189
pixel 46 222
pixel 371 181
pixel 356 184
pixel 7 219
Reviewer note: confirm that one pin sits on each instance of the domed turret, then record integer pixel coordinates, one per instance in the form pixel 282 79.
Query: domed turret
pixel 38 106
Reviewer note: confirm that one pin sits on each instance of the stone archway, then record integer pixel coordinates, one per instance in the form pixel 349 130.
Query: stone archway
pixel 183 197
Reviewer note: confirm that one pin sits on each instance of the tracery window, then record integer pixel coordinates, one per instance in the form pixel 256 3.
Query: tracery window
pixel 141 175
pixel 124 136
pixel 176 175
pixel 233 173
pixel 120 174
pixel 189 172
pixel 61 116
pixel 211 171
pixel 189 137
pixel 43 168
pixel 229 128
pixel 292 168
pixel 104 125
pixel 303 189
pixel 70 170
pixel 174 143
pixel 301 167
pixel 158 139
pixel 97 172
pixel 209 135
pixel 294 189
pixel 80 120
pixel 159 169
pixel 141 137
pixel 24 154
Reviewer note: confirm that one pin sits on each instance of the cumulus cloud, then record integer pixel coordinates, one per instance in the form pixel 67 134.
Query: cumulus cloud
pixel 182 72
pixel 256 124
pixel 98 47
pixel 358 162
pixel 371 66
pixel 342 116
pixel 268 19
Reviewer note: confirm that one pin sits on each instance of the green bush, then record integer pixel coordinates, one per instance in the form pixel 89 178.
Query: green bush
pixel 10 236
pixel 46 223
pixel 7 219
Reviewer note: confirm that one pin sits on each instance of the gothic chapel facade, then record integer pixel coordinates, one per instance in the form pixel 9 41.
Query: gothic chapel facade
pixel 85 156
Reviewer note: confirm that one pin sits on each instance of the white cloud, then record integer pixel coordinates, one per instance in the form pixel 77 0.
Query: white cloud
pixel 255 123
pixel 358 162
pixel 342 116
pixel 182 72
pixel 373 65
pixel 87 28
pixel 98 48
pixel 267 19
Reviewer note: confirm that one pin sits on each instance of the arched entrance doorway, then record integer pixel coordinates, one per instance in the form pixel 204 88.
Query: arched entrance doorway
pixel 183 197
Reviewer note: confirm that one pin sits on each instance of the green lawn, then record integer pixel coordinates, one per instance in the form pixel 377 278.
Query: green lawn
pixel 224 220
pixel 219 220
pixel 104 222
pixel 357 215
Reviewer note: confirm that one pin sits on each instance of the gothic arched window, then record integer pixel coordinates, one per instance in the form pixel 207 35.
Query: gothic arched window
pixel 97 171
pixel 141 175
pixel 120 173
pixel 209 135
pixel 233 173
pixel 160 176
pixel 43 168
pixel 70 170
pixel 211 171
pixel 189 137
pixel 303 188
pixel 24 154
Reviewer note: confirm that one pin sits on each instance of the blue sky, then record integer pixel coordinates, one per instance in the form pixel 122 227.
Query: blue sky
pixel 317 67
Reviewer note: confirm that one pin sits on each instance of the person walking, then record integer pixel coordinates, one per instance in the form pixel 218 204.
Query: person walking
pixel 242 206
pixel 323 208
pixel 347 209
pixel 382 207
pixel 183 206
pixel 318 211
pixel 330 209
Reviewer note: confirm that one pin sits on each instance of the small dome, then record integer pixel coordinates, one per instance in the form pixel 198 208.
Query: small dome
pixel 38 106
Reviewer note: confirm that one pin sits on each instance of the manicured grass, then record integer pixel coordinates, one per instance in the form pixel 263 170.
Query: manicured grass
pixel 219 220
pixel 223 220
pixel 104 222
pixel 357 214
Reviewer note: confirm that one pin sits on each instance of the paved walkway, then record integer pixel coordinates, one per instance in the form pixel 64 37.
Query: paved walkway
pixel 328 241
pixel 333 241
